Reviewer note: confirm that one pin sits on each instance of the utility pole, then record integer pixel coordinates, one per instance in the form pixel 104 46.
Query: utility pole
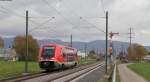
pixel 97 51
pixel 122 49
pixel 85 49
pixel 26 57
pixel 106 41
pixel 71 40
pixel 130 36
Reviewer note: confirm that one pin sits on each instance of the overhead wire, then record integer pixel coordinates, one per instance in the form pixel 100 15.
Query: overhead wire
pixel 84 19
pixel 17 14
pixel 31 30
pixel 50 29
pixel 102 4
pixel 49 5
pixel 39 26
pixel 39 17
pixel 65 19
pixel 11 11
pixel 59 13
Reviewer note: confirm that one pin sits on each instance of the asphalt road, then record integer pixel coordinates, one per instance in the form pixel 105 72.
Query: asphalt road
pixel 127 75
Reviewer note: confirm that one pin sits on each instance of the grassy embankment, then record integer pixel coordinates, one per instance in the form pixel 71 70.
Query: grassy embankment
pixel 117 71
pixel 86 61
pixel 11 68
pixel 142 69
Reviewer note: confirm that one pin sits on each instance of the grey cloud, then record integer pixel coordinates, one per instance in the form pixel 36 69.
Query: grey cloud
pixel 122 15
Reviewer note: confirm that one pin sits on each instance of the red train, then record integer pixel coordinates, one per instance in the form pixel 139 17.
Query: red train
pixel 54 56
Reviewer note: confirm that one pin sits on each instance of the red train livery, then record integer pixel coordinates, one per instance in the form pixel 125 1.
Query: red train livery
pixel 54 56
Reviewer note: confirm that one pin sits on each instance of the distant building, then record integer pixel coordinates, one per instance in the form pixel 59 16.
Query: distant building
pixel 8 54
pixel 81 54
pixel 123 56
pixel 147 57
pixel 2 53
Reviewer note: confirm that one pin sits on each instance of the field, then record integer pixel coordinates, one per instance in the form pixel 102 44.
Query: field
pixel 10 68
pixel 142 69
pixel 85 61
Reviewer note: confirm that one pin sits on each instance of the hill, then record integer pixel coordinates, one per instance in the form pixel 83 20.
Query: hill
pixel 97 45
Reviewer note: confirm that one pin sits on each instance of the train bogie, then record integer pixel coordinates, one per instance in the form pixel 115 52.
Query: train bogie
pixel 49 65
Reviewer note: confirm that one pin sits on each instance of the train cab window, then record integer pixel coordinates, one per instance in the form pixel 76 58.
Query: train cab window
pixel 49 51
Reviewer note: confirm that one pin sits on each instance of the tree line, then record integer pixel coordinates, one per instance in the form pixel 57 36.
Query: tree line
pixel 136 52
pixel 19 44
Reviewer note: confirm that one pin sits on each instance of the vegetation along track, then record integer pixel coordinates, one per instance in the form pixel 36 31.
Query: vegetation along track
pixel 27 78
pixel 24 77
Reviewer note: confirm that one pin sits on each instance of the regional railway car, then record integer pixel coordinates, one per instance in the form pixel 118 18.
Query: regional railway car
pixel 54 56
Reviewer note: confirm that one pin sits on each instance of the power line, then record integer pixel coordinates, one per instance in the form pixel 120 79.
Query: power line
pixel 67 21
pixel 102 4
pixel 38 17
pixel 84 19
pixel 50 29
pixel 1 6
pixel 46 2
pixel 94 26
pixel 41 24
pixel 57 13
pixel 3 12
pixel 42 27
pixel 6 12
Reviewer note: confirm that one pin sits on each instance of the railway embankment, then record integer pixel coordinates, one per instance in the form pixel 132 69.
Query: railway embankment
pixel 15 69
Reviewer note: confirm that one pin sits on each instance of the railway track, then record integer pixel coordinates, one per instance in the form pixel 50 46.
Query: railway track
pixel 51 76
pixel 24 77
pixel 74 76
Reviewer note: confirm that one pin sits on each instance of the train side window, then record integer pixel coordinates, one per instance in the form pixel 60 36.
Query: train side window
pixel 64 55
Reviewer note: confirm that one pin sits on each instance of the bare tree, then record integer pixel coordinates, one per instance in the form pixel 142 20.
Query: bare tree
pixel 1 42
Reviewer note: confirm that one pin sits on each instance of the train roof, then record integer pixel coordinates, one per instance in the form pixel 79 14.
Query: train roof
pixel 54 44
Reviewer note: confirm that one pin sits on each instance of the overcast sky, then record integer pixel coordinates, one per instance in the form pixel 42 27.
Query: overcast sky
pixel 84 19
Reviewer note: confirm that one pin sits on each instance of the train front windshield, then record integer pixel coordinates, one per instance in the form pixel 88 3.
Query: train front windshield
pixel 49 52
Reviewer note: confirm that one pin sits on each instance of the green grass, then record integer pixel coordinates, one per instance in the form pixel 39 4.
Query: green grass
pixel 117 71
pixel 85 61
pixel 11 68
pixel 142 69
pixel 16 68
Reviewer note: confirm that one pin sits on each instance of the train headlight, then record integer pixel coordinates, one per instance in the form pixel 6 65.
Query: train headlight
pixel 41 58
